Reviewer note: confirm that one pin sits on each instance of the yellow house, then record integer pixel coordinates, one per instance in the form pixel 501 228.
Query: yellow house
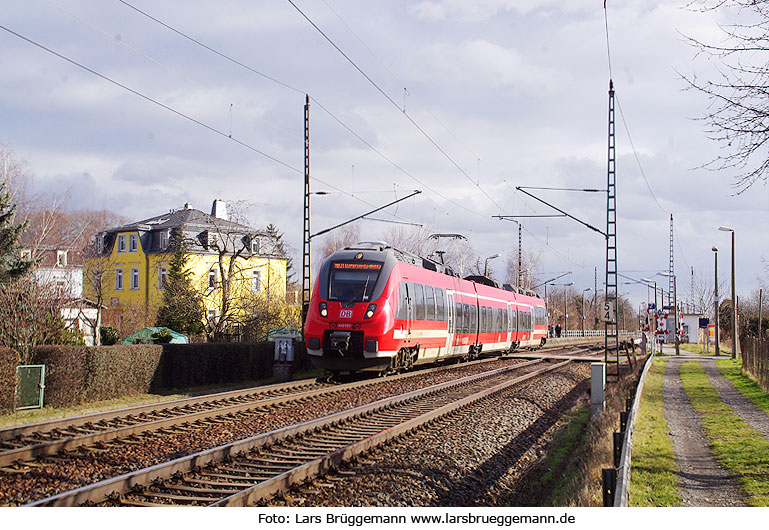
pixel 235 267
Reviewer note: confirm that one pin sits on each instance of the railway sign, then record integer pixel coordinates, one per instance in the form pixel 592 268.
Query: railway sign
pixel 607 313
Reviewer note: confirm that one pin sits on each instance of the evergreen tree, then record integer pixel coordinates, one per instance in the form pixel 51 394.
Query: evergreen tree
pixel 182 308
pixel 280 249
pixel 11 264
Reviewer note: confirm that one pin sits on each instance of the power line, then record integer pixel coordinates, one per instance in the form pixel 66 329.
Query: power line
pixel 387 96
pixel 314 100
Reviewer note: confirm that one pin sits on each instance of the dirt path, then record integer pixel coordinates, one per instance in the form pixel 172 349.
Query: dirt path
pixel 703 482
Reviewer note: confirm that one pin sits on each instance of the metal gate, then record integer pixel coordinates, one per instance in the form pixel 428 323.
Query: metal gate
pixel 29 393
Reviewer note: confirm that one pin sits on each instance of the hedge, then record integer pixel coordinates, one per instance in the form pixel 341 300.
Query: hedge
pixel 9 359
pixel 80 374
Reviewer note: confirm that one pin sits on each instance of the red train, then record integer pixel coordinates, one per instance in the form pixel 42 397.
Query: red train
pixel 377 308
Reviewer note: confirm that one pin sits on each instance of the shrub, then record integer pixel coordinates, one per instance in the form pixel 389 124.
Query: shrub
pixel 108 335
pixel 163 336
pixel 122 370
pixel 65 373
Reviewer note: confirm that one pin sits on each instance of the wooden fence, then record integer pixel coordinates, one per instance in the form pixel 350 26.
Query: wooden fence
pixel 755 359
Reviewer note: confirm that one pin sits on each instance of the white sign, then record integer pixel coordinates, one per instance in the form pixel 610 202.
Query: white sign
pixel 607 313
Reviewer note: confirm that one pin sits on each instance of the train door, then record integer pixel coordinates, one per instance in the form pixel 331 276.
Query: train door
pixel 451 315
pixel 405 309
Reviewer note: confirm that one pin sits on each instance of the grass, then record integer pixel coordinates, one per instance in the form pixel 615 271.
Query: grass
pixel 732 370
pixel 700 349
pixel 654 472
pixel 735 445
pixel 47 413
pixel 557 463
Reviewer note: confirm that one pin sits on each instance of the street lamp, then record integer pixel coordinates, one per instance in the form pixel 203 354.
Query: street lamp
pixel 486 264
pixel 715 300
pixel 583 308
pixel 734 297
pixel 675 308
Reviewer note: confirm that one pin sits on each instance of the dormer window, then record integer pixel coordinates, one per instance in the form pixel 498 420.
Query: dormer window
pixel 100 244
pixel 121 243
pixel 61 258
pixel 212 240
pixel 163 242
pixel 133 242
pixel 255 245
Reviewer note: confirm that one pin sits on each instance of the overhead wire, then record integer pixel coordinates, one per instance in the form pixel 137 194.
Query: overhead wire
pixel 313 99
pixel 394 103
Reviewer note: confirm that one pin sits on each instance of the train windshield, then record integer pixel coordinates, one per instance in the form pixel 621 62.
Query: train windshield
pixel 353 281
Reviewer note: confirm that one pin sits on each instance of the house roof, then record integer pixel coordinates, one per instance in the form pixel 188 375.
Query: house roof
pixel 184 217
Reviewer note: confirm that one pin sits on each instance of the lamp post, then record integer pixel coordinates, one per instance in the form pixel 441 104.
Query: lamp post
pixel 486 264
pixel 735 342
pixel 675 309
pixel 583 308
pixel 715 299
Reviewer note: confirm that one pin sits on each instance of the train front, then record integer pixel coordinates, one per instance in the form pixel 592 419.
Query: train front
pixel 351 312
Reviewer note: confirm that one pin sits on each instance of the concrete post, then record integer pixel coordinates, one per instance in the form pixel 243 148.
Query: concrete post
pixel 597 388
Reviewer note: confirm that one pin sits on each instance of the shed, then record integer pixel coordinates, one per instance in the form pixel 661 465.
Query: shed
pixel 144 336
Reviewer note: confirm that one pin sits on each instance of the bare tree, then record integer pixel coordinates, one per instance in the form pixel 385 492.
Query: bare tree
pixel 738 114
pixel 30 314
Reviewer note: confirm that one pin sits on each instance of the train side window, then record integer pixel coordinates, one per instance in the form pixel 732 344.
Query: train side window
pixel 429 303
pixel 504 320
pixel 440 306
pixel 419 302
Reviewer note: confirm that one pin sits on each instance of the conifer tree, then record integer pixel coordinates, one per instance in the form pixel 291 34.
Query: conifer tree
pixel 11 264
pixel 182 308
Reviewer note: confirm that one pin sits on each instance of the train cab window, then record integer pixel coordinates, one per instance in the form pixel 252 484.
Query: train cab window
pixel 429 303
pixel 353 281
pixel 419 302
pixel 440 306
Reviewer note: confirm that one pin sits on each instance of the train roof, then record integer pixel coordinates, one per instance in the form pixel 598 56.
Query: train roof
pixel 404 256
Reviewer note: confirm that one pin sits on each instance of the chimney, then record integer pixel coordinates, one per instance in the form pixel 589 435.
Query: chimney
pixel 219 209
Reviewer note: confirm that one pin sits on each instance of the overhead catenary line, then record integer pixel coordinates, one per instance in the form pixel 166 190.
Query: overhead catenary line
pixel 314 100
pixel 395 104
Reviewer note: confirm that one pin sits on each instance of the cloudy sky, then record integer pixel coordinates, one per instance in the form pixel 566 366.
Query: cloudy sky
pixel 496 94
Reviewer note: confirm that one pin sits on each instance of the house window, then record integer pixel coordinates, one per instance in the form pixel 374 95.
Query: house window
pixel 255 245
pixel 26 254
pixel 121 243
pixel 100 244
pixel 118 279
pixel 133 243
pixel 213 279
pixel 163 240
pixel 256 281
pixel 162 277
pixel 134 278
pixel 211 240
pixel 61 258
pixel 211 315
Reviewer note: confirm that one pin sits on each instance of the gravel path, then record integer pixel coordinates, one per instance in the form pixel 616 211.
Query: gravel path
pixel 756 418
pixel 703 482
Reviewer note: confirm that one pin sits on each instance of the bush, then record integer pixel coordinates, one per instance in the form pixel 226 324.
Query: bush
pixel 163 336
pixel 108 335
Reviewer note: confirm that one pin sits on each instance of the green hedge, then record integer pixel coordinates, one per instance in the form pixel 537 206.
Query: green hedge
pixel 120 370
pixel 9 359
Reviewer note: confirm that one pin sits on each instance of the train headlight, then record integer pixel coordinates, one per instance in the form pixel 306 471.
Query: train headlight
pixel 370 310
pixel 323 308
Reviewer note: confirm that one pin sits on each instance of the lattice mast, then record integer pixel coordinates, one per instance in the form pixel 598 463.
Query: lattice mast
pixel 306 293
pixel 670 268
pixel 611 338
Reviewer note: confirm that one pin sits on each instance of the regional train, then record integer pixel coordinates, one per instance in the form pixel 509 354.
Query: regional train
pixel 377 308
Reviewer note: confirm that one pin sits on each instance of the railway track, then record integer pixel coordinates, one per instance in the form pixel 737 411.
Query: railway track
pixel 24 443
pixel 246 471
